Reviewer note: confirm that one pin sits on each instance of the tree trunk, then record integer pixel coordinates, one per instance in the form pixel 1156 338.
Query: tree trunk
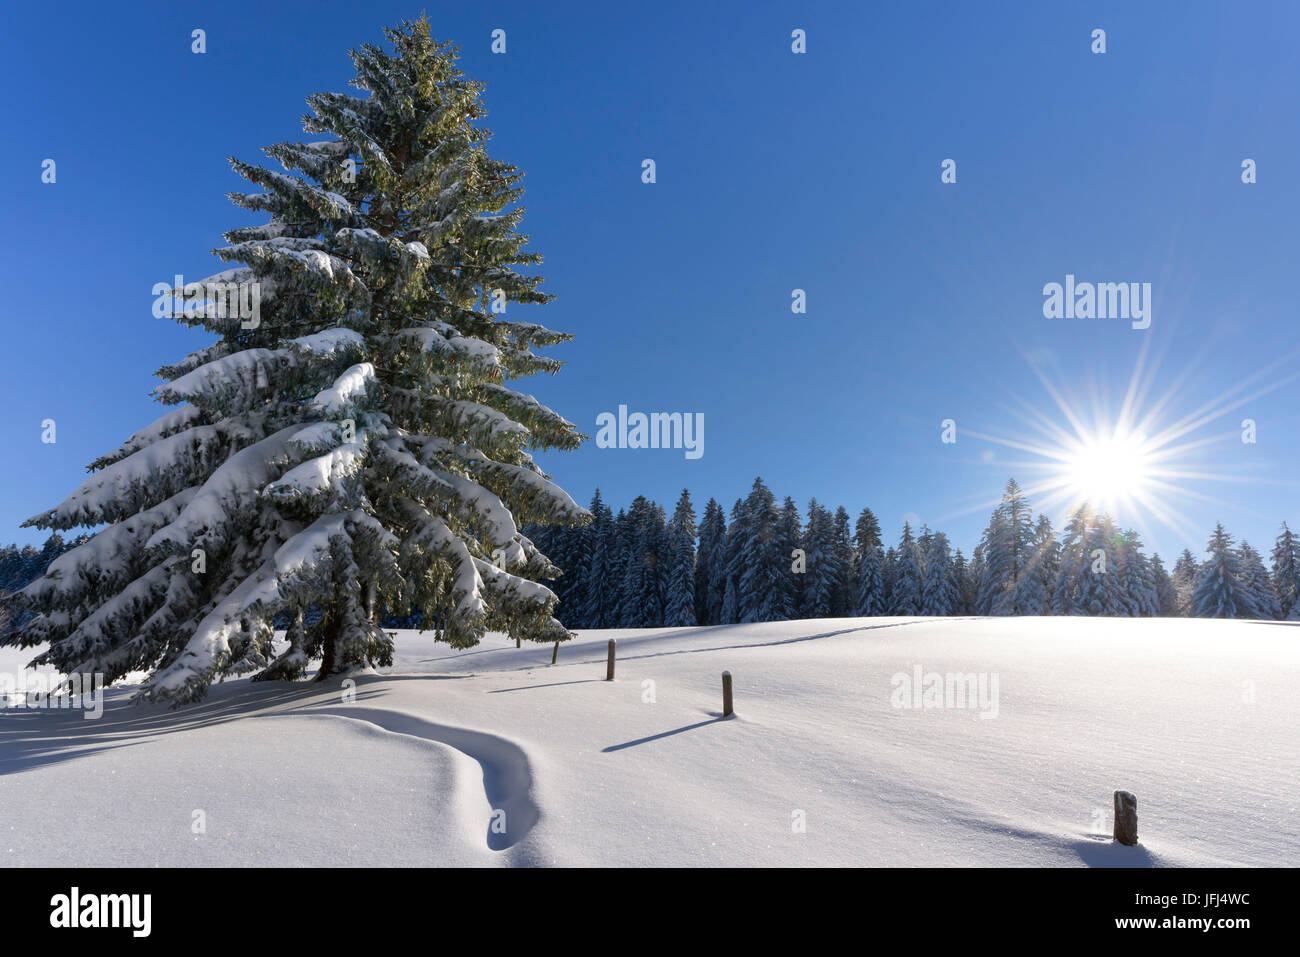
pixel 329 659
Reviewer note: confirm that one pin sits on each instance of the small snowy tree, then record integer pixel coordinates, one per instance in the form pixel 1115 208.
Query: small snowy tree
pixel 357 443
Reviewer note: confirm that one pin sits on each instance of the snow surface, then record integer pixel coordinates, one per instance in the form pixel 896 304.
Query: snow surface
pixel 1200 719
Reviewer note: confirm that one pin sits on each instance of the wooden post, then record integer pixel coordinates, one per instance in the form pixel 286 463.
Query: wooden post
pixel 726 694
pixel 555 652
pixel 609 666
pixel 1126 817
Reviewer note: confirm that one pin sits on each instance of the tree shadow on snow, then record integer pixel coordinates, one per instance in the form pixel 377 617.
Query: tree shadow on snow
pixel 32 737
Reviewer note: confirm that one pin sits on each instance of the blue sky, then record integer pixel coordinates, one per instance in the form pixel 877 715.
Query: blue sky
pixel 775 171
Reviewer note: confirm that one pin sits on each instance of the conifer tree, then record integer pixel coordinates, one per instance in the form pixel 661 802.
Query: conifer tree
pixel 871 585
pixel 939 595
pixel 1037 584
pixel 1286 574
pixel 620 537
pixel 642 587
pixel 788 538
pixel 601 603
pixel 1008 546
pixel 866 534
pixel 845 588
pixel 1139 598
pixel 1221 591
pixel 764 583
pixel 737 531
pixel 356 445
pixel 868 564
pixel 960 573
pixel 889 576
pixel 823 566
pixel 1166 594
pixel 1256 580
pixel 906 596
pixel 679 598
pixel 710 566
pixel 1187 573
pixel 974 575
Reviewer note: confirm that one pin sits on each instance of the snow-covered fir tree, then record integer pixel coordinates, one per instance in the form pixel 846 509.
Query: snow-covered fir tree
pixel 960 573
pixel 1286 574
pixel 1186 574
pixel 906 595
pixel 871 585
pixel 1035 589
pixel 1008 544
pixel 844 593
pixel 601 607
pixel 789 534
pixel 1138 596
pixel 679 598
pixel 939 594
pixel 642 590
pixel 889 576
pixel 357 445
pixel 764 585
pixel 1166 593
pixel 971 587
pixel 734 555
pixel 710 565
pixel 866 532
pixel 823 572
pixel 1221 592
pixel 1256 580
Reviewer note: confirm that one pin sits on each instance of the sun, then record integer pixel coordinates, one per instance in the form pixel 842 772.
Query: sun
pixel 1132 454
pixel 1110 471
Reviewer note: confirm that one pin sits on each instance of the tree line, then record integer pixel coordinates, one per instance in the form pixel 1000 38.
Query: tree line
pixel 768 561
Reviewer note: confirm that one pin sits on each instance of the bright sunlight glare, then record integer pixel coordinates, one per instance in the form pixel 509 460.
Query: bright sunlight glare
pixel 1109 471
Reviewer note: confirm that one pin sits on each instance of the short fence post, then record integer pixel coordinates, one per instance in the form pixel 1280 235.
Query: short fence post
pixel 1126 817
pixel 726 694
pixel 609 666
